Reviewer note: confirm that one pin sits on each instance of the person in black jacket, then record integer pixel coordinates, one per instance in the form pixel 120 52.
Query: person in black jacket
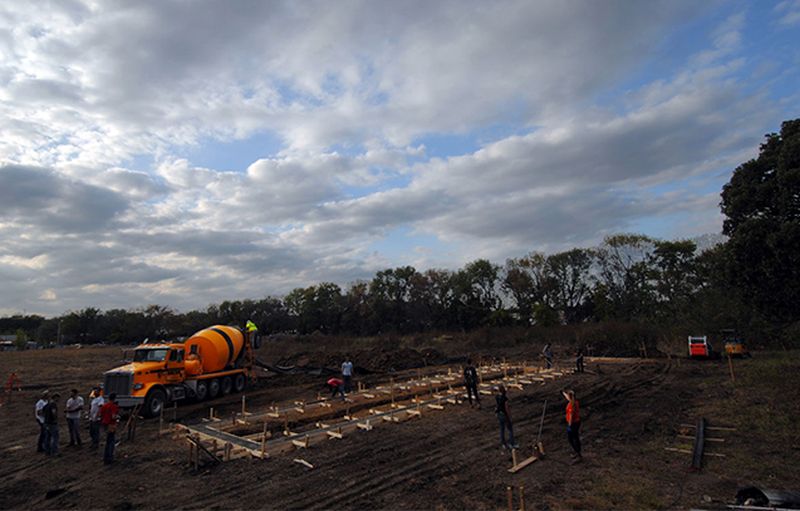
pixel 503 412
pixel 471 383
pixel 50 414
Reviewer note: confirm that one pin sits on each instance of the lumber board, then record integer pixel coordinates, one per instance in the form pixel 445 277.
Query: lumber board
pixel 301 443
pixel 303 462
pixel 524 463
pixel 435 406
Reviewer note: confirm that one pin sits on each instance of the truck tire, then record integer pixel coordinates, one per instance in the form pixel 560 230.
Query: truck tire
pixel 227 385
pixel 213 389
pixel 239 382
pixel 154 403
pixel 201 391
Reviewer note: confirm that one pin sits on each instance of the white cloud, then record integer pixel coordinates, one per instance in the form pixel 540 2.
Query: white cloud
pixel 350 92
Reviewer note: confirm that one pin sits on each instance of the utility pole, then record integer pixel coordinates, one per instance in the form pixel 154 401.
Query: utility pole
pixel 58 335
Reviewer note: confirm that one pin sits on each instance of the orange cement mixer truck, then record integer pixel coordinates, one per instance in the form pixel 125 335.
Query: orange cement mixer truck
pixel 214 361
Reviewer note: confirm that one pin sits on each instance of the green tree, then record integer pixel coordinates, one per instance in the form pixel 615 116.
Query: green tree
pixel 676 276
pixel 761 204
pixel 569 278
pixel 525 282
pixel 624 289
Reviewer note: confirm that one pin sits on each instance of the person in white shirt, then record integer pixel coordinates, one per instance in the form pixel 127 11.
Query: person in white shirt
pixel 73 413
pixel 94 415
pixel 347 373
pixel 39 413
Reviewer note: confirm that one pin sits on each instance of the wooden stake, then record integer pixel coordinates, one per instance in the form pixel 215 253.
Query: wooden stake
pixel 264 441
pixel 243 405
pixel 730 365
pixel 510 494
pixel 514 457
pixel 175 412
pixel 522 498
pixel 161 421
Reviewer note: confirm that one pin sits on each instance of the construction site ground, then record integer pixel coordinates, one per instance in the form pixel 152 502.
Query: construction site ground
pixel 632 410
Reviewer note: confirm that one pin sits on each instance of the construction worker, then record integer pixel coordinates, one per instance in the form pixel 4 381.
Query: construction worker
pixel 471 383
pixel 573 424
pixel 109 417
pixel 252 332
pixel 503 411
pixel 547 353
pixel 50 414
pixel 579 361
pixel 347 374
pixel 97 401
pixel 337 386
pixel 39 414
pixel 73 412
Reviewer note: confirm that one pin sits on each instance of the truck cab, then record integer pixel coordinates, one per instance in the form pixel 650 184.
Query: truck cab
pixel 155 372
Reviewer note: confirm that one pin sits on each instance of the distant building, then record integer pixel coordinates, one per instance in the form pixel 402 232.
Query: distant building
pixel 7 345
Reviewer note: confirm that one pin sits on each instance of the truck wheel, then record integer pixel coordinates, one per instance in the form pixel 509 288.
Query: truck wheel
pixel 213 389
pixel 201 392
pixel 154 403
pixel 227 385
pixel 239 382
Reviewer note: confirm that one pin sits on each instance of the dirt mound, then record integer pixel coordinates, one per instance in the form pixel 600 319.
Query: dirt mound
pixel 365 361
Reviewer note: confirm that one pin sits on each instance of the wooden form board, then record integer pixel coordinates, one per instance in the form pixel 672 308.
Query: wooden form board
pixel 326 431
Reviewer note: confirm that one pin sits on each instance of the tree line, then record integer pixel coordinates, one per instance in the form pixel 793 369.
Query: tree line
pixel 750 282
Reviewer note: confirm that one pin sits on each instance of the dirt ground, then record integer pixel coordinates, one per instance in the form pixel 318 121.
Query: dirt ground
pixel 451 459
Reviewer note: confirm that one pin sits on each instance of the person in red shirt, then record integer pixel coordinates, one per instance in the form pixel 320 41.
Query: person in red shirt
pixel 109 416
pixel 573 424
pixel 337 386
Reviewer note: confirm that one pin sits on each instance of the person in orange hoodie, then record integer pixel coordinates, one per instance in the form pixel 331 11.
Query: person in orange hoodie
pixel 573 424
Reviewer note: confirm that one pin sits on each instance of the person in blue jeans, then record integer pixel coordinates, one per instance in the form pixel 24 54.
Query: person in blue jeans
pixel 109 417
pixel 503 411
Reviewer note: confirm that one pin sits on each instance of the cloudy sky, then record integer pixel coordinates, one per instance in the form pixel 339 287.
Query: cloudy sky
pixel 187 152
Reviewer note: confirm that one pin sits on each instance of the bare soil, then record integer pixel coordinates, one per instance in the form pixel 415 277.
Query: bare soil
pixel 451 459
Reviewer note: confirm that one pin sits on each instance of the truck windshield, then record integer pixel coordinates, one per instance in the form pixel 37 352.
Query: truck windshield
pixel 156 355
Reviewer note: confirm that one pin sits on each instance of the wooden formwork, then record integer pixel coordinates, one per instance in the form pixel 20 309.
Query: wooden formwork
pixel 330 420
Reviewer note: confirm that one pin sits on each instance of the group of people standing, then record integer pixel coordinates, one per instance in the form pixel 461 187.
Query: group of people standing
pixel 103 413
pixel 503 408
